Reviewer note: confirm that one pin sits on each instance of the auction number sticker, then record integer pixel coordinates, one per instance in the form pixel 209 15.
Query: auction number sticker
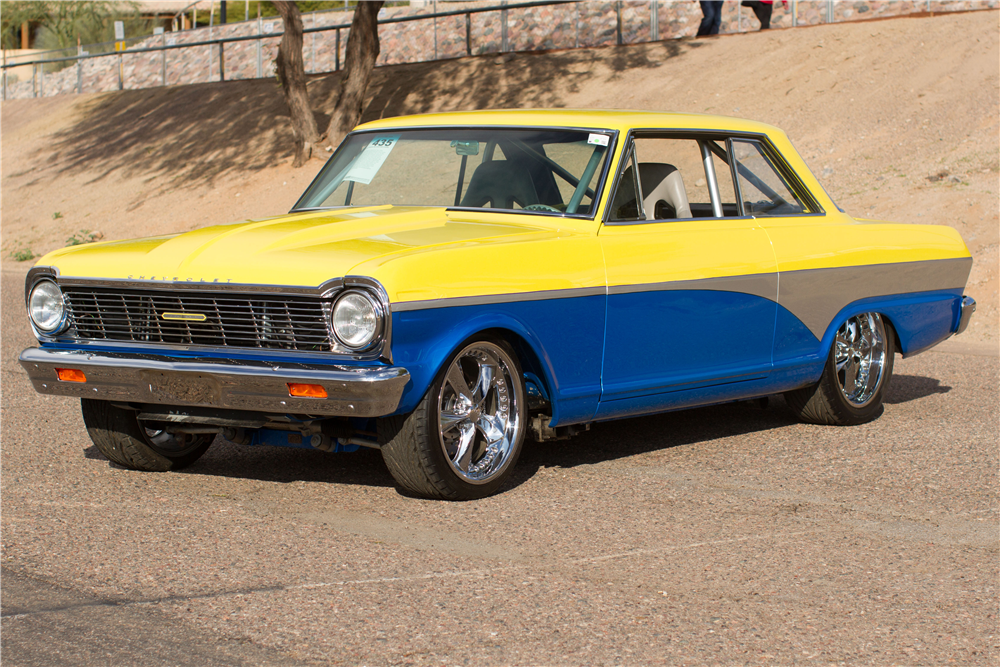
pixel 371 159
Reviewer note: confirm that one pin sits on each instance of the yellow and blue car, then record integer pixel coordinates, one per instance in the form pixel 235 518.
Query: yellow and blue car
pixel 451 283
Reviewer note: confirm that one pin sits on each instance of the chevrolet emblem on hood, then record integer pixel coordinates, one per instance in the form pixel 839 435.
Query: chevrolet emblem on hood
pixel 184 317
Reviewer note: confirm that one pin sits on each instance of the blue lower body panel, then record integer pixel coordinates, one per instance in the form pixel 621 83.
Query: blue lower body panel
pixel 565 337
pixel 665 350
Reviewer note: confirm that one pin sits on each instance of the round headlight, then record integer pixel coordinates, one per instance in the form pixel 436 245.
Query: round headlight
pixel 355 320
pixel 46 307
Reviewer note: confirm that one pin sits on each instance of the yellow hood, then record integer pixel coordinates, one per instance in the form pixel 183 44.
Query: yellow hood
pixel 302 249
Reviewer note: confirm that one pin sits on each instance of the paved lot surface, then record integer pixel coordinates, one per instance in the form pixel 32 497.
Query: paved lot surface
pixel 727 535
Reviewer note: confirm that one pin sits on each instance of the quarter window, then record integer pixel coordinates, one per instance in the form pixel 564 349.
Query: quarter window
pixel 763 190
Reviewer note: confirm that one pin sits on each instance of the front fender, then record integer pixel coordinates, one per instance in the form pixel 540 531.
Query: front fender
pixel 566 335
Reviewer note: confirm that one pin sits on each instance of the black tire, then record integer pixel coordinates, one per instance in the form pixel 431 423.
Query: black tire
pixel 829 401
pixel 417 450
pixel 118 435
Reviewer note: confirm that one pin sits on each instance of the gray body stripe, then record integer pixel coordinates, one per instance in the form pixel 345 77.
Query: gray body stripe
pixel 498 298
pixel 815 296
pixel 764 285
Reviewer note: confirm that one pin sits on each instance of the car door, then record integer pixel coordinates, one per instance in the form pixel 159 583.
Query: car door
pixel 692 282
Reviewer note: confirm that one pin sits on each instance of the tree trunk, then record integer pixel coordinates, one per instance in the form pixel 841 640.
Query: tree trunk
pixel 362 52
pixel 292 73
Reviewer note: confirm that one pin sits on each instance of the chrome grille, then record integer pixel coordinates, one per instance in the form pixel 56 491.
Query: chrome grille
pixel 275 322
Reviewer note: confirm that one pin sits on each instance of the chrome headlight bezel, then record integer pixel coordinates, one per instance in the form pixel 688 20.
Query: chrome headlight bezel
pixel 63 320
pixel 378 314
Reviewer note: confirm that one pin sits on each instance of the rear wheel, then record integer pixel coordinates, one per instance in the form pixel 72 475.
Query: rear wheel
pixel 123 439
pixel 853 383
pixel 462 440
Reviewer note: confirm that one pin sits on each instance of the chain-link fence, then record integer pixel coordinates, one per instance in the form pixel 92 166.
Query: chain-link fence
pixel 421 31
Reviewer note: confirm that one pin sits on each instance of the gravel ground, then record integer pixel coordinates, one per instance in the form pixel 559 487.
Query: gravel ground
pixel 725 535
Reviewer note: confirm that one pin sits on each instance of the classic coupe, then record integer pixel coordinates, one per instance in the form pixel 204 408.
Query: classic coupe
pixel 452 283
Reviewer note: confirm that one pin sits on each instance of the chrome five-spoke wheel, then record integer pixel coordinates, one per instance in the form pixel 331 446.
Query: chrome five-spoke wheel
pixel 478 415
pixel 463 438
pixel 855 374
pixel 860 357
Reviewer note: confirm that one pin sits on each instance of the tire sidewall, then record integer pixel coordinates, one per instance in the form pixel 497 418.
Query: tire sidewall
pixel 120 436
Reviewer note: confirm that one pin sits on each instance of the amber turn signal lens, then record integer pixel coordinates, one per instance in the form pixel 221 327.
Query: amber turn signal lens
pixel 70 375
pixel 306 390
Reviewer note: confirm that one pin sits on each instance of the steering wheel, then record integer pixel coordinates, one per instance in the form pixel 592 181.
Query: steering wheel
pixel 541 207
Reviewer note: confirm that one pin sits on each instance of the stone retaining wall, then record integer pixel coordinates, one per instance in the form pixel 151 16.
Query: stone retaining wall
pixel 563 26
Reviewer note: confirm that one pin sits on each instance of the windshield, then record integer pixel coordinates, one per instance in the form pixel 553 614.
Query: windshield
pixel 555 172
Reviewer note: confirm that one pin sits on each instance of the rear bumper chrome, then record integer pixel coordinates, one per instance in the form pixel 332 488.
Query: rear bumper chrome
pixel 259 386
pixel 968 307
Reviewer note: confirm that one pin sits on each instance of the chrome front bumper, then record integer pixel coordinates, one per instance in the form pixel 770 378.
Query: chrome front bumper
pixel 259 386
pixel 968 307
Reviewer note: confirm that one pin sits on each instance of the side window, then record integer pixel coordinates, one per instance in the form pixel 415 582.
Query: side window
pixel 674 182
pixel 763 190
pixel 625 205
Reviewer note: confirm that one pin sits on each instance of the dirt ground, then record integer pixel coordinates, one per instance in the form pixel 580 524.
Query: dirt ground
pixel 899 119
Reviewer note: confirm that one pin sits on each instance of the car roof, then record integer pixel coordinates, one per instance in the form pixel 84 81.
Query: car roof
pixel 583 118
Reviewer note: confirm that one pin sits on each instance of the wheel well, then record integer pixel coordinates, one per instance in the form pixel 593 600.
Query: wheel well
pixel 895 334
pixel 526 355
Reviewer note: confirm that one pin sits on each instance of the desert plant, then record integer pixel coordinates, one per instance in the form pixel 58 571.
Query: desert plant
pixel 23 255
pixel 83 236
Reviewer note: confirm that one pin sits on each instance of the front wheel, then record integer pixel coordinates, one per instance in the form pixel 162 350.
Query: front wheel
pixel 125 440
pixel 462 440
pixel 853 383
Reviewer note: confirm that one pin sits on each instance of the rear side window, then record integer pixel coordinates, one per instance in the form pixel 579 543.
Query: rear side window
pixel 762 188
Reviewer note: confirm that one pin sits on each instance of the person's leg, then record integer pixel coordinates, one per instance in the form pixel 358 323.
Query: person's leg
pixel 717 17
pixel 708 15
pixel 763 13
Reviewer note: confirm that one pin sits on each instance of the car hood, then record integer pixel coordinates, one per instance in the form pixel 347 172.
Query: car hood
pixel 300 249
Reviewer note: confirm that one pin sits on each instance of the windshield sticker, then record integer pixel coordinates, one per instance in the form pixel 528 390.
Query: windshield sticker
pixel 598 139
pixel 371 159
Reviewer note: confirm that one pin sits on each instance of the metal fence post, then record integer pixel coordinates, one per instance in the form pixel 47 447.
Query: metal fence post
pixel 41 80
pixel 79 75
pixel 503 27
pixel 829 11
pixel 222 45
pixel 795 13
pixel 260 54
pixel 336 57
pixel 468 34
pixel 5 75
pixel 618 21
pixel 163 59
pixel 434 8
pixel 312 46
pixel 654 20
pixel 576 39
